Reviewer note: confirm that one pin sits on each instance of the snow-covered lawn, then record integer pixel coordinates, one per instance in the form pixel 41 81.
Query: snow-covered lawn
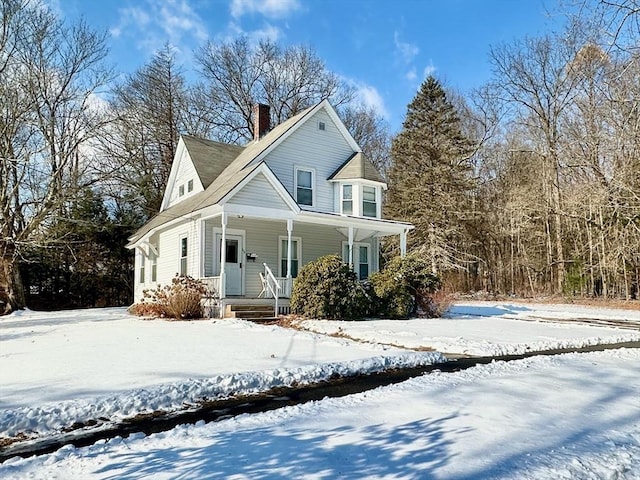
pixel 488 328
pixel 575 416
pixel 570 416
pixel 64 367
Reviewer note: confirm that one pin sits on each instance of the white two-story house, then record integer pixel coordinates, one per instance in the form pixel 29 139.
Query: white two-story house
pixel 235 216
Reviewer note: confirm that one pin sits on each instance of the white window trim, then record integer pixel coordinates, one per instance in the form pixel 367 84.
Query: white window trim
pixel 376 192
pixel 342 199
pixel 283 255
pixel 180 257
pixel 356 256
pixel 142 271
pixel 153 265
pixel 313 184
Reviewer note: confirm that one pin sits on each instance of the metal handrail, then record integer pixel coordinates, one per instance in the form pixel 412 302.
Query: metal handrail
pixel 272 285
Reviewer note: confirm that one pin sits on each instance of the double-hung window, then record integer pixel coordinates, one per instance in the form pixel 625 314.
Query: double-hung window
pixel 361 258
pixel 304 186
pixel 296 252
pixel 183 256
pixel 142 278
pixel 369 201
pixel 347 199
pixel 154 267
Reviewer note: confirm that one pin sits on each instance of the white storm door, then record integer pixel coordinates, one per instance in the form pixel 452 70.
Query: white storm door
pixel 233 263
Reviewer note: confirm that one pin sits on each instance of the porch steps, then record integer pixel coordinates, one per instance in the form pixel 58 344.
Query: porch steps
pixel 253 313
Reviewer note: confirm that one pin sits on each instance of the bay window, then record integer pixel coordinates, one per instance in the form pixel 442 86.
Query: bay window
pixel 369 202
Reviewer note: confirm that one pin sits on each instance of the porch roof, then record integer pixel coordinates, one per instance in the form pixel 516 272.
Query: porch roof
pixel 376 226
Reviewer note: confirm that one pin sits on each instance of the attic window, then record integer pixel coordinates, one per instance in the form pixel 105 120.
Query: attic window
pixel 181 190
pixel 190 186
pixel 321 126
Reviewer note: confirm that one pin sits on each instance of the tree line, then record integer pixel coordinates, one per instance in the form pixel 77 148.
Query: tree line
pixel 531 185
pixel 528 185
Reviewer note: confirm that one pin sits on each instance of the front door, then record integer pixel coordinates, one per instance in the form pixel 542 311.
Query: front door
pixel 233 263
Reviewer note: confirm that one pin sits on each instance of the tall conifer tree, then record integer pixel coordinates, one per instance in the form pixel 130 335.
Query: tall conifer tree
pixel 431 177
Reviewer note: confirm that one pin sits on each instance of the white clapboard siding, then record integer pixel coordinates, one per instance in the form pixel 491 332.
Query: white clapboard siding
pixel 186 171
pixel 259 192
pixel 169 249
pixel 322 151
pixel 262 238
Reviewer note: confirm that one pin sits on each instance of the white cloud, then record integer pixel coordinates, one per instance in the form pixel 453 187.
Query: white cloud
pixel 429 70
pixel 268 8
pixel 406 51
pixel 268 32
pixel 412 75
pixel 159 21
pixel 369 96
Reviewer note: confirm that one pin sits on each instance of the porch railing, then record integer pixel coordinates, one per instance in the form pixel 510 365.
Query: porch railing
pixel 284 287
pixel 272 286
pixel 212 283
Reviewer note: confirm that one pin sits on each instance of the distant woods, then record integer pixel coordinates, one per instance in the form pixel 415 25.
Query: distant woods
pixel 547 200
pixel 529 185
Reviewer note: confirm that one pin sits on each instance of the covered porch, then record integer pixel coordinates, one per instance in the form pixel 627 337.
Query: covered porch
pixel 248 255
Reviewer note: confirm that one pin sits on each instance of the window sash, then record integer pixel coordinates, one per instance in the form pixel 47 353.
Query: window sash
pixel 295 262
pixel 369 202
pixel 363 264
pixel 347 199
pixel 154 271
pixel 361 258
pixel 183 255
pixel 142 277
pixel 304 187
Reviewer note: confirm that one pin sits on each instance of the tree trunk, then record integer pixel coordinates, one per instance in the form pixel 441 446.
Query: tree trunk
pixel 11 287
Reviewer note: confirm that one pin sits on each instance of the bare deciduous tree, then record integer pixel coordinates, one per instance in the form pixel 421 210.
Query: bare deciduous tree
pixel 238 75
pixel 48 75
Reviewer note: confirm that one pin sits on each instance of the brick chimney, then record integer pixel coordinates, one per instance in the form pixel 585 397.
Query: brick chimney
pixel 261 120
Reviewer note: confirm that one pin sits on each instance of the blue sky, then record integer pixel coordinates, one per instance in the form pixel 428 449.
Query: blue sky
pixel 383 48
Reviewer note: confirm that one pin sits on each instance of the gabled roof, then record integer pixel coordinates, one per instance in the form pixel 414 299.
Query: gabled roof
pixel 236 171
pixel 357 166
pixel 202 152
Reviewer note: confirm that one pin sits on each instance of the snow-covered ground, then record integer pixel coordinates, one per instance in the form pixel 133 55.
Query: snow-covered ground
pixel 488 328
pixel 570 416
pixel 60 368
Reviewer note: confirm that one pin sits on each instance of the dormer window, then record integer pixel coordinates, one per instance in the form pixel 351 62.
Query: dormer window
pixel 369 202
pixel 190 186
pixel 304 186
pixel 347 199
pixel 181 190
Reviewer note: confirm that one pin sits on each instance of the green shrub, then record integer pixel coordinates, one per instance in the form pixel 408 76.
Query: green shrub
pixel 328 288
pixel 181 300
pixel 405 287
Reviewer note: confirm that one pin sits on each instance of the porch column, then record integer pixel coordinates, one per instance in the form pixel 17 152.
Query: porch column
pixel 351 247
pixel 223 254
pixel 403 243
pixel 201 250
pixel 289 255
pixel 289 248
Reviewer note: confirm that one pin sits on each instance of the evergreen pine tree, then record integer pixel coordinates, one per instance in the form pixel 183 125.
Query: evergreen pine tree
pixel 431 177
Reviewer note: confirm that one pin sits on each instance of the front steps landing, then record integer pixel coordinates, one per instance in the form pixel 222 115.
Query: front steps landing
pixel 253 313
